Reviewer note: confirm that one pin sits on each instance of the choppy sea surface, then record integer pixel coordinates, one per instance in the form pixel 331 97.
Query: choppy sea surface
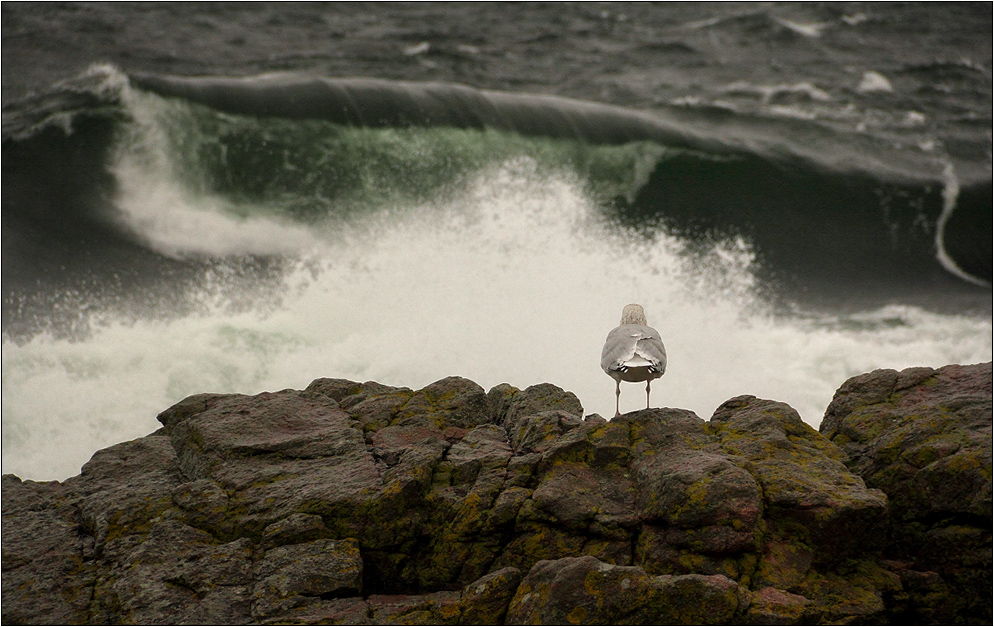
pixel 238 198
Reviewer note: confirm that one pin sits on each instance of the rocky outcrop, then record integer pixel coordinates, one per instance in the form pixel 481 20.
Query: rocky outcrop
pixel 361 503
pixel 923 436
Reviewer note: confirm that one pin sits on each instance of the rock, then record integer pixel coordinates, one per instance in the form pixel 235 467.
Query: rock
pixel 337 389
pixel 451 402
pixel 689 483
pixel 923 437
pixel 586 591
pixel 693 600
pixel 500 397
pixel 350 611
pixel 362 503
pixel 282 425
pixel 206 506
pixel 819 516
pixel 485 601
pixel 440 608
pixel 804 482
pixel 536 417
pixel 125 488
pixel 535 433
pixel 594 500
pixel 294 529
pixel 510 405
pixel 483 449
pixel 48 569
pixel 578 591
pixel 769 606
pixel 924 598
pixel 179 575
pixel 287 575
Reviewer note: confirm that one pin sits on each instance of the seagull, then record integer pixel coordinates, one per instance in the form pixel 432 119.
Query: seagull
pixel 633 352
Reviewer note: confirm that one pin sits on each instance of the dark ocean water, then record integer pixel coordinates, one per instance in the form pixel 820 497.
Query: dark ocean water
pixel 233 197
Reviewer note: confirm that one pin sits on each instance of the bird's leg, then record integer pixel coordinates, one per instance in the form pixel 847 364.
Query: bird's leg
pixel 617 398
pixel 647 394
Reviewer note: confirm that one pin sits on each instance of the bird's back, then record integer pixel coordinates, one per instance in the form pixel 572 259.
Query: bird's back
pixel 631 346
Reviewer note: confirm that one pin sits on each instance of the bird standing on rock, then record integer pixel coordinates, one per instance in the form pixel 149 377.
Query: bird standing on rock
pixel 633 352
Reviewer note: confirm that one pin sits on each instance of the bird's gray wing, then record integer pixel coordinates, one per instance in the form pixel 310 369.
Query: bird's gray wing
pixel 619 347
pixel 650 347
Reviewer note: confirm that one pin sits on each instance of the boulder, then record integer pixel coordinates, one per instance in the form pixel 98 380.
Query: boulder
pixel 808 492
pixel 923 437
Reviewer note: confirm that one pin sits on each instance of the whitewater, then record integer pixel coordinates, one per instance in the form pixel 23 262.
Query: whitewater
pixel 517 278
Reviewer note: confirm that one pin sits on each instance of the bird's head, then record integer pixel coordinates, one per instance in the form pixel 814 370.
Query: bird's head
pixel 633 314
